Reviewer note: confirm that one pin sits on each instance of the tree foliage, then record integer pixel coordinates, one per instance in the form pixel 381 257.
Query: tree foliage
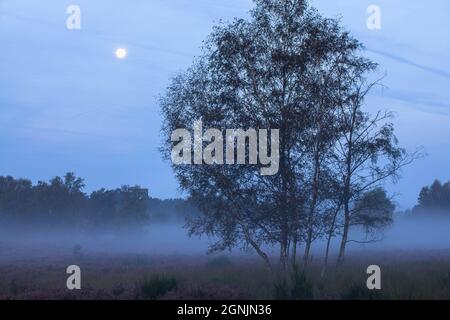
pixel 286 68
pixel 433 199
pixel 61 202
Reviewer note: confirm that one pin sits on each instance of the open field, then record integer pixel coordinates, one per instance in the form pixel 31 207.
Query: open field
pixel 31 273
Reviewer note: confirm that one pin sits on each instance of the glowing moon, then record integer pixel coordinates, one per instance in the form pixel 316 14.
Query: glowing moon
pixel 121 53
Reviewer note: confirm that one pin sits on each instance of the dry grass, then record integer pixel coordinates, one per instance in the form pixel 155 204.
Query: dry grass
pixel 121 276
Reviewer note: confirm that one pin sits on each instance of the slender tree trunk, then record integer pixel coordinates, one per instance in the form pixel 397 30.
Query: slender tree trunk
pixel 294 251
pixel 325 261
pixel 283 257
pixel 344 234
pixel 284 245
pixel 258 250
pixel 346 193
pixel 327 253
pixel 329 237
pixel 315 192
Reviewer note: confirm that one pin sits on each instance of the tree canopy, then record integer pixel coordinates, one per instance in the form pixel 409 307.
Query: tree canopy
pixel 285 68
pixel 434 199
pixel 61 202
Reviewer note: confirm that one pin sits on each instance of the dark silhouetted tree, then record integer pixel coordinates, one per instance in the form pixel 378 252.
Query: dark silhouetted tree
pixel 433 199
pixel 290 69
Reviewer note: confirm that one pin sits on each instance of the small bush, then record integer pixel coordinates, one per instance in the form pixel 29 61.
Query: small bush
pixel 219 262
pixel 281 291
pixel 157 286
pixel 302 289
pixel 298 288
pixel 13 287
pixel 360 292
pixel 118 290
pixel 139 260
pixel 76 250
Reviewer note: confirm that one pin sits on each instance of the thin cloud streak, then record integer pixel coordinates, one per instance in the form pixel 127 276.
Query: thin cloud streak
pixel 435 71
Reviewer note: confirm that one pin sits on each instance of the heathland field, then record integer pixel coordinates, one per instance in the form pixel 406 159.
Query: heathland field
pixel 36 273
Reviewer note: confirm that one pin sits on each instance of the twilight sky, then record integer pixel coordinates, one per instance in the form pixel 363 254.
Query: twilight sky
pixel 67 103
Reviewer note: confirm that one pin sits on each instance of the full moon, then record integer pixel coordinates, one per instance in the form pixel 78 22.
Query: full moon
pixel 121 53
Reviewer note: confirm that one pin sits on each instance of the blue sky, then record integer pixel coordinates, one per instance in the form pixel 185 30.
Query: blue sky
pixel 67 104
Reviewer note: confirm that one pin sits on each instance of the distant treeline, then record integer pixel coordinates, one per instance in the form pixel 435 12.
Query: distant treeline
pixel 433 200
pixel 61 202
